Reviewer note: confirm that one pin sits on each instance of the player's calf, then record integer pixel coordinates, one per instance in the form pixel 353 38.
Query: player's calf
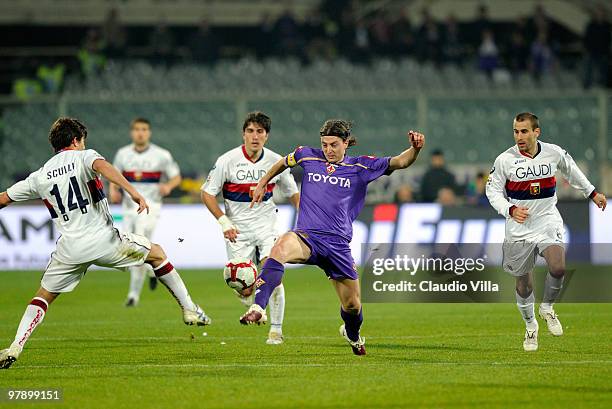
pixel 270 278
pixel 31 319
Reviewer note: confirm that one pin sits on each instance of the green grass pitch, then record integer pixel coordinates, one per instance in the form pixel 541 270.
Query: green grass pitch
pixel 419 355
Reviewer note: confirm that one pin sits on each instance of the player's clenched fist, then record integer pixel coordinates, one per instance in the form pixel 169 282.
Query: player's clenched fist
pixel 600 200
pixel 230 231
pixel 520 214
pixel 417 139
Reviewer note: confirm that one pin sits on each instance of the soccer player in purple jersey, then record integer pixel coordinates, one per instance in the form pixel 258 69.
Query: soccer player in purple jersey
pixel 333 192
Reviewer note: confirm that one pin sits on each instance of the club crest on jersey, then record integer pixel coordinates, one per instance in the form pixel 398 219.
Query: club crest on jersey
pixel 534 188
pixel 331 168
pixel 137 176
pixel 259 282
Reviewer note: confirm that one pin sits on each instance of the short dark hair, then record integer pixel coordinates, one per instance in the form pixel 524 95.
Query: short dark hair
pixel 64 130
pixel 528 116
pixel 339 128
pixel 140 120
pixel 259 118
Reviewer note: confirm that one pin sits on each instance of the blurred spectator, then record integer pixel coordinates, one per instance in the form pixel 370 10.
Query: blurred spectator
pixel 475 190
pixel 481 24
pixel 429 38
pixel 361 42
pixel 318 44
pixel 541 56
pixel 51 77
pixel 540 22
pixel 203 45
pixel 287 34
pixel 597 39
pixel 446 197
pixel 488 53
pixel 436 178
pixel 333 9
pixel 404 194
pixel 25 89
pixel 452 49
pixel 265 37
pixel 346 36
pixel 402 34
pixel 313 26
pixel 90 55
pixel 162 44
pixel 380 31
pixel 114 35
pixel 518 49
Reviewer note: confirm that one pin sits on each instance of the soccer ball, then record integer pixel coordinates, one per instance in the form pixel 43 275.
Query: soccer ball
pixel 240 273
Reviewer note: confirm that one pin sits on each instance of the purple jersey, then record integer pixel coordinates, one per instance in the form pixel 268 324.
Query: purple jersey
pixel 332 195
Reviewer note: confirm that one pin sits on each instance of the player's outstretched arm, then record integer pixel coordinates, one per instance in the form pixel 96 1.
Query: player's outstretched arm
pixel 113 175
pixel 5 200
pixel 276 169
pixel 407 158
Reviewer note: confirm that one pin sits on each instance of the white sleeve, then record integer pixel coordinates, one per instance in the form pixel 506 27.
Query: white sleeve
pixel 172 168
pixel 24 190
pixel 496 188
pixel 215 180
pixel 286 184
pixel 573 174
pixel 89 157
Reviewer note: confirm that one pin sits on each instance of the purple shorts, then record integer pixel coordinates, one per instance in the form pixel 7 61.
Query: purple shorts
pixel 331 254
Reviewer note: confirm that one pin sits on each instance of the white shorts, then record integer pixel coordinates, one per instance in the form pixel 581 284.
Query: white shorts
pixel 519 257
pixel 250 245
pixel 128 250
pixel 142 224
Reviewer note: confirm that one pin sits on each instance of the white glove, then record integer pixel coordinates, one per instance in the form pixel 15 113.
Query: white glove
pixel 226 223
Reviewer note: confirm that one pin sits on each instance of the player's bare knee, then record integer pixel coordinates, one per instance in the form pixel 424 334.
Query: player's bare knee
pixel 352 305
pixel 280 250
pixel 557 271
pixel 156 255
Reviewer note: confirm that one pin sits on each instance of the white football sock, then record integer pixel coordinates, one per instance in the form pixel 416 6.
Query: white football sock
pixel 526 308
pixel 169 277
pixel 32 317
pixel 277 308
pixel 137 278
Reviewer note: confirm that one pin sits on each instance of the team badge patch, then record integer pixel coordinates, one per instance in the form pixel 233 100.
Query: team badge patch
pixel 330 168
pixel 259 283
pixel 291 162
pixel 534 188
pixel 137 176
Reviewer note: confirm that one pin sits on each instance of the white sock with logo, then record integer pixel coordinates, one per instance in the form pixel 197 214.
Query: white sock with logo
pixel 32 317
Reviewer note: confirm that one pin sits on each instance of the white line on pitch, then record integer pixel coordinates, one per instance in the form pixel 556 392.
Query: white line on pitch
pixel 271 365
